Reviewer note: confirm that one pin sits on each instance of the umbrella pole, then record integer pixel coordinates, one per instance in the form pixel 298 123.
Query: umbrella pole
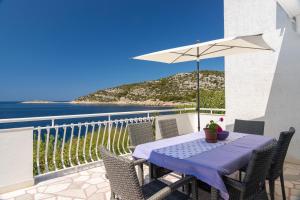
pixel 198 93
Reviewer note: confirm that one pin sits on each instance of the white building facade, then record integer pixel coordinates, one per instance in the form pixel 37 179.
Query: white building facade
pixel 264 86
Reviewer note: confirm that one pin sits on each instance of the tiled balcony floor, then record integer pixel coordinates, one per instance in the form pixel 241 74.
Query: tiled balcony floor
pixel 92 184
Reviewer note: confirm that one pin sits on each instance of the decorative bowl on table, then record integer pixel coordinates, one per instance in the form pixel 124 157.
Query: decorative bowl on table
pixel 222 135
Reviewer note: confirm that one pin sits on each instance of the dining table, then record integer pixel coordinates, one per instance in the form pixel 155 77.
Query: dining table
pixel 190 154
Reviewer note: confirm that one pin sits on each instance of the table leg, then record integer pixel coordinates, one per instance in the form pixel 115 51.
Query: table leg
pixel 214 194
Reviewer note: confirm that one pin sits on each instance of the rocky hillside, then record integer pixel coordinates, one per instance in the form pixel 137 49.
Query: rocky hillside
pixel 179 89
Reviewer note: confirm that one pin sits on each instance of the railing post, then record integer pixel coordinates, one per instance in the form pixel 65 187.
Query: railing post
pixel 109 131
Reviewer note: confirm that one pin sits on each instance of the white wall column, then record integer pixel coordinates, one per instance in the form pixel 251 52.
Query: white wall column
pixel 16 154
pixel 264 86
pixel 298 24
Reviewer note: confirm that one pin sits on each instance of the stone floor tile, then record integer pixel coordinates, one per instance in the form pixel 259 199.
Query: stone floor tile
pixel 64 198
pixel 92 184
pixel 107 195
pixel 103 184
pixel 104 189
pixel 51 198
pixel 297 186
pixel 97 196
pixel 74 193
pixel 12 194
pixel 81 178
pixel 41 188
pixel 291 165
pixel 57 187
pixel 294 197
pixel 90 190
pixel 76 185
pixel 25 197
pixel 295 192
pixel 84 173
pixel 43 196
pixel 96 180
pixel 85 185
pixel 291 171
pixel 32 191
pixel 288 184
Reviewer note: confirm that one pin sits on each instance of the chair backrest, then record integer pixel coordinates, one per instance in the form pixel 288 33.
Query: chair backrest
pixel 257 170
pixel 280 153
pixel 140 133
pixel 122 176
pixel 168 128
pixel 248 126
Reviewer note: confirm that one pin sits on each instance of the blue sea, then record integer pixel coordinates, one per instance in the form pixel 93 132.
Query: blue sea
pixel 20 110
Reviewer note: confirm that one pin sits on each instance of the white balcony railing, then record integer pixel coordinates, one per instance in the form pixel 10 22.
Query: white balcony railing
pixel 58 147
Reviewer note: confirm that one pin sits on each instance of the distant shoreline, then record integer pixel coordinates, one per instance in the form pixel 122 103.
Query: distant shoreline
pixel 119 103
pixel 137 103
pixel 42 102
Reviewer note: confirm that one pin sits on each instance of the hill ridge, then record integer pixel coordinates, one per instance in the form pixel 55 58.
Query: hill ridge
pixel 174 90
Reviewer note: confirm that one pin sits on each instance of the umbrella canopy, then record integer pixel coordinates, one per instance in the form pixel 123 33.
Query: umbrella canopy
pixel 211 49
pixel 205 50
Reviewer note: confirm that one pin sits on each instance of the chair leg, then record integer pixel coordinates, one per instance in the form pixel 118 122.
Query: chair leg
pixel 272 189
pixel 282 186
pixel 265 194
pixel 151 175
pixel 184 187
pixel 141 174
pixel 194 190
pixel 112 196
pixel 214 194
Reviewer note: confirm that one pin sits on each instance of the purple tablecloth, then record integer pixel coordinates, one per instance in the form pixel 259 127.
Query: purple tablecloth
pixel 189 154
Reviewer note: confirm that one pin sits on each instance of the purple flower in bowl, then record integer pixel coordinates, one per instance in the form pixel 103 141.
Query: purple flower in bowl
pixel 223 135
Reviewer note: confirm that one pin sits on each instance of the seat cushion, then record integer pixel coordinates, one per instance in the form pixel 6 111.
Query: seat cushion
pixel 155 186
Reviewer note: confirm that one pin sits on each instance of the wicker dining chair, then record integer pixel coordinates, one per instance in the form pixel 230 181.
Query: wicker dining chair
pixel 140 133
pixel 253 184
pixel 168 128
pixel 276 169
pixel 125 185
pixel 248 126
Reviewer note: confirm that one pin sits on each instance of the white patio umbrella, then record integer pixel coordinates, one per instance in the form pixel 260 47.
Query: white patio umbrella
pixel 211 49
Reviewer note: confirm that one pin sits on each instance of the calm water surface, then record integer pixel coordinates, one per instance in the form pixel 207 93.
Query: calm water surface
pixel 17 110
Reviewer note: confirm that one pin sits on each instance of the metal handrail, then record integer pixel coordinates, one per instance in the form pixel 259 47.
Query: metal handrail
pixel 53 118
pixel 60 147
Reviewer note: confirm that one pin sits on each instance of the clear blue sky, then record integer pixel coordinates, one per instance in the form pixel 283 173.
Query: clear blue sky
pixel 61 49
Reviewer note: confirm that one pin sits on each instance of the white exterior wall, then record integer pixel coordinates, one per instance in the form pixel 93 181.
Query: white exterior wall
pixel 187 123
pixel 16 155
pixel 264 86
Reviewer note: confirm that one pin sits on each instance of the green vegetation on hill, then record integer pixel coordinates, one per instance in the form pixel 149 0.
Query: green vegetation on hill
pixel 173 90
